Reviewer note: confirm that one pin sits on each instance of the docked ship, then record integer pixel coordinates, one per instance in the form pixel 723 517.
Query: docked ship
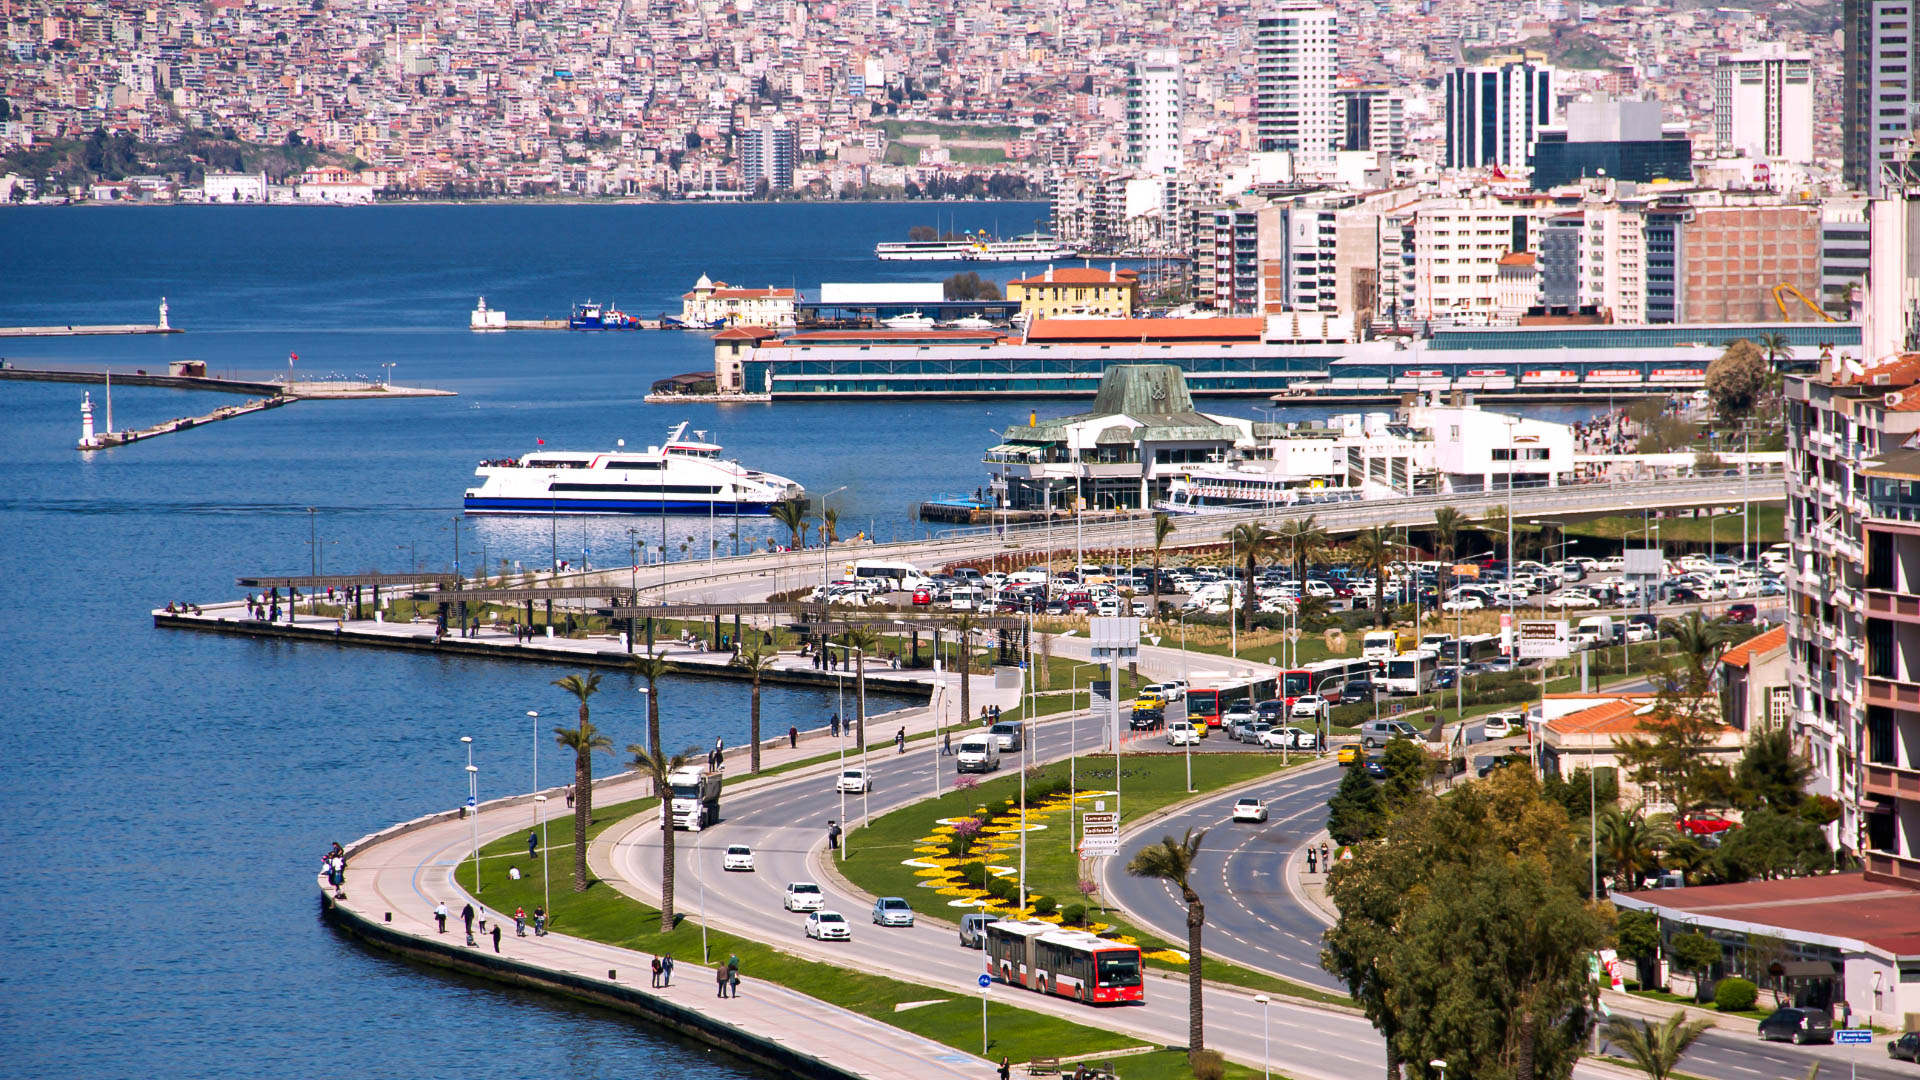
pixel 683 476
pixel 1030 247
pixel 592 316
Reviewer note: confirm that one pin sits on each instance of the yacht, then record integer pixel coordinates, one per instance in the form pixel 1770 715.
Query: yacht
pixel 683 476
pixel 912 320
pixel 1029 247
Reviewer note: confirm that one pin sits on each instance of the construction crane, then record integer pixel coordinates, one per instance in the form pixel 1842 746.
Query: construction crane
pixel 1781 302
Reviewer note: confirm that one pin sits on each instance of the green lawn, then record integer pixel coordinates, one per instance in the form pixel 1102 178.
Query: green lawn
pixel 601 913
pixel 1769 526
pixel 1148 782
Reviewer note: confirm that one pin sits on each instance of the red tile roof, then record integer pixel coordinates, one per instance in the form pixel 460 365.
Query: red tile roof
pixel 1742 654
pixel 1837 905
pixel 1054 331
pixel 745 333
pixel 1517 258
pixel 933 336
pixel 1620 716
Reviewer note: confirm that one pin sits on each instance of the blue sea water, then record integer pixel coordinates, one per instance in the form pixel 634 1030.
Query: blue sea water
pixel 166 794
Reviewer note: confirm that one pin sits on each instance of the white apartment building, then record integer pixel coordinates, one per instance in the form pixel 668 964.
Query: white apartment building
pixel 1154 112
pixel 1763 105
pixel 226 187
pixel 1494 114
pixel 1613 261
pixel 1457 245
pixel 1296 55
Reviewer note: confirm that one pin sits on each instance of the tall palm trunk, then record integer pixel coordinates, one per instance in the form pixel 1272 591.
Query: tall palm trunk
pixel 755 758
pixel 666 860
pixel 966 696
pixel 860 698
pixel 1380 598
pixel 1523 1052
pixel 1196 1020
pixel 653 716
pixel 582 815
pixel 1252 593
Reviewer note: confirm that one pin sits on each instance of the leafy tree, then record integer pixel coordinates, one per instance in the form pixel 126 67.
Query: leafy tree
pixel 658 766
pixel 1736 378
pixel 757 660
pixel 1171 861
pixel 968 285
pixel 1770 844
pixel 1162 529
pixel 1465 937
pixel 1637 935
pixel 1735 995
pixel 1696 954
pixel 1251 541
pixel 1374 552
pixel 1306 540
pixel 1579 790
pixel 922 234
pixel 1775 346
pixel 1407 768
pixel 1656 1049
pixel 1770 773
pixel 793 514
pixel 1675 749
pixel 1629 846
pixel 1356 813
pixel 583 741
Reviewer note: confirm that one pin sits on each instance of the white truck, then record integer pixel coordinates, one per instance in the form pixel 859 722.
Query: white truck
pixel 978 752
pixel 1608 631
pixel 696 797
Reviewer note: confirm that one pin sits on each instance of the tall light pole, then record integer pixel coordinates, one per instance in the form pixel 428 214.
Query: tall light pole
pixel 1441 1064
pixel 535 717
pixel 546 889
pixel 826 576
pixel 1266 1042
pixel 313 542
pixel 473 808
pixel 553 523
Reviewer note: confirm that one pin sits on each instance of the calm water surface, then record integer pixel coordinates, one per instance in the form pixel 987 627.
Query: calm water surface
pixel 166 794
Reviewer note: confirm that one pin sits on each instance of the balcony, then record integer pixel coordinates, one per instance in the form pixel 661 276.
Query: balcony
pixel 1892 693
pixel 1886 866
pixel 1893 605
pixel 1890 781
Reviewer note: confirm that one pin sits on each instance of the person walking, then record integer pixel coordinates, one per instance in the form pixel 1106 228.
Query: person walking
pixel 569 796
pixel 1312 857
pixel 656 972
pixel 833 835
pixel 733 984
pixel 833 725
pixel 533 845
pixel 666 970
pixel 1006 1067
pixel 793 738
pixel 496 935
pixel 466 916
pixel 519 922
pixel 946 745
pixel 1324 860
pixel 440 915
pixel 720 982
pixel 900 741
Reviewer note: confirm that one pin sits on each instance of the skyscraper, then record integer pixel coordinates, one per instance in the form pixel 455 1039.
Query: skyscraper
pixel 1494 114
pixel 1880 60
pixel 1763 105
pixel 1296 55
pixel 1153 112
pixel 1373 118
pixel 767 153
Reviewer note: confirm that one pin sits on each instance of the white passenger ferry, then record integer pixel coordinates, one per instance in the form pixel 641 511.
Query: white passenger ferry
pixel 685 476
pixel 1030 247
pixel 1225 491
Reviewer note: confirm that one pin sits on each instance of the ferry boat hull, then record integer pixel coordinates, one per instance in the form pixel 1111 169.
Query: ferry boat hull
pixel 682 476
pixel 475 504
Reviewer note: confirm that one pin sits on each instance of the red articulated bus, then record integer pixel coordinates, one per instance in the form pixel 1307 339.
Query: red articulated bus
pixel 1064 963
pixel 1203 703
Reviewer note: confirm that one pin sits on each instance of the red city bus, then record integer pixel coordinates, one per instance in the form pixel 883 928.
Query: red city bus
pixel 1204 705
pixel 1300 682
pixel 1064 963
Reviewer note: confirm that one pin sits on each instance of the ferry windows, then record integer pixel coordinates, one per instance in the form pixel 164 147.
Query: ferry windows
pixel 631 464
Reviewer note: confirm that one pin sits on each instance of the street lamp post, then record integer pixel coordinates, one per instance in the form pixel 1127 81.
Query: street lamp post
pixel 1266 1042
pixel 546 890
pixel 535 717
pixel 1441 1064
pixel 473 808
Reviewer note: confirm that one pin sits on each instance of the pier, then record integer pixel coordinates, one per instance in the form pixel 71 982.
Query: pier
pixel 91 440
pixel 79 330
pixel 277 395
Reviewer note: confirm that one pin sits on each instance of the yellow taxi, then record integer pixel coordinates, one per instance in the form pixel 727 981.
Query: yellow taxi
pixel 1349 754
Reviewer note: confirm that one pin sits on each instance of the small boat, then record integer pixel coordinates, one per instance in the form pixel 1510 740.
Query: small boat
pixel 912 320
pixel 971 322
pixel 592 316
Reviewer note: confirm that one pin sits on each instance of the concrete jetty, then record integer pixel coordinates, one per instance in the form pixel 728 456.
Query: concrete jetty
pixel 78 330
pixel 92 440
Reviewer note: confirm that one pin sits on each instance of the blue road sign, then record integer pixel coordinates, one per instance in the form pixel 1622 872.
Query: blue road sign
pixel 1853 1036
pixel 986 981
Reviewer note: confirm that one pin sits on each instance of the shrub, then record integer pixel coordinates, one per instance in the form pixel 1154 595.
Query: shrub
pixel 1043 905
pixel 974 874
pixel 1735 995
pixel 1209 1065
pixel 1000 888
pixel 966 783
pixel 1073 915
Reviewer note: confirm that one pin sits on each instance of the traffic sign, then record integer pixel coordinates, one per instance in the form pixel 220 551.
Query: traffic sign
pixel 1100 823
pixel 1099 847
pixel 1853 1036
pixel 1543 640
pixel 985 981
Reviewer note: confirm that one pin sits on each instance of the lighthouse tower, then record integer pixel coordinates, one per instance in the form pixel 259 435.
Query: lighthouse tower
pixel 87 438
pixel 163 314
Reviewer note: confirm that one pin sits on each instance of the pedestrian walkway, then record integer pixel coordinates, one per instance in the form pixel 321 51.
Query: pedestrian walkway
pixel 395 878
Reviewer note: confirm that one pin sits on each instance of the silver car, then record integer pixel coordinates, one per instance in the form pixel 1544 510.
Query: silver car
pixel 892 911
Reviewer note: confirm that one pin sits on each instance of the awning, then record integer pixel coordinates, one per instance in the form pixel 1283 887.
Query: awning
pixel 1894 465
pixel 1809 969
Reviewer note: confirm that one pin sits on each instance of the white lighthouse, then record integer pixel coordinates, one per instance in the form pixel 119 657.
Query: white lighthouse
pixel 88 440
pixel 163 314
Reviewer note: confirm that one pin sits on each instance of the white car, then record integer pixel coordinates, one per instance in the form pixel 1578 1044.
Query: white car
pixel 738 857
pixel 1463 603
pixel 1182 735
pixel 1308 707
pixel 1572 598
pixel 1249 810
pixel 854 780
pixel 1502 724
pixel 1639 632
pixel 1287 738
pixel 828 926
pixel 1167 691
pixel 804 896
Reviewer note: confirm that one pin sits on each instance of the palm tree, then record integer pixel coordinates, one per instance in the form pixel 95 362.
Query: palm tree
pixel 1306 541
pixel 1495 528
pixel 1310 610
pixel 1253 541
pixel 652 668
pixel 583 741
pixel 1776 347
pixel 1162 528
pixel 829 525
pixel 1171 861
pixel 963 628
pixel 1699 640
pixel 653 763
pixel 1375 551
pixel 1629 845
pixel 863 641
pixel 1656 1049
pixel 793 514
pixel 1447 523
pixel 757 659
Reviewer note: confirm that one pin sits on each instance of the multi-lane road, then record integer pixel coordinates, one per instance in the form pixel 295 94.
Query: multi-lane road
pixel 1252 915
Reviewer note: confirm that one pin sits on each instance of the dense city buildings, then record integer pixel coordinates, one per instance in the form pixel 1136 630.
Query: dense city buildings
pixel 1295 55
pixel 1494 114
pixel 1878 86
pixel 1763 105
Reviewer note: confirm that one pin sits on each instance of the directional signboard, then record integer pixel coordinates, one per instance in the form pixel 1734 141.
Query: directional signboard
pixel 1099 834
pixel 1853 1036
pixel 1543 640
pixel 1114 638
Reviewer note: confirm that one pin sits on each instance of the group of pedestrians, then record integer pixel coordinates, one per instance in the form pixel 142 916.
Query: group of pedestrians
pixel 727 979
pixel 663 971
pixel 334 865
pixel 1324 860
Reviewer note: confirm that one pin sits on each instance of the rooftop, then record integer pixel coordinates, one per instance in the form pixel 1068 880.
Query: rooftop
pixel 1828 906
pixel 1057 331
pixel 1080 275
pixel 1743 654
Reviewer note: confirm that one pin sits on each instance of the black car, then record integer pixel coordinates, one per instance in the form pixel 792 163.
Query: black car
pixel 1905 1048
pixel 1796 1025
pixel 1491 764
pixel 1377 766
pixel 1147 720
pixel 1444 678
pixel 1356 690
pixel 1270 710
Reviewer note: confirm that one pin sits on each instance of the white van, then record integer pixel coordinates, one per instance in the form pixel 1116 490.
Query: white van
pixel 979 752
pixel 967 598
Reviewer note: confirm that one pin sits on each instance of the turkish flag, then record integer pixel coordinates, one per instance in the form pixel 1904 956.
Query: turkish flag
pixel 541 442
